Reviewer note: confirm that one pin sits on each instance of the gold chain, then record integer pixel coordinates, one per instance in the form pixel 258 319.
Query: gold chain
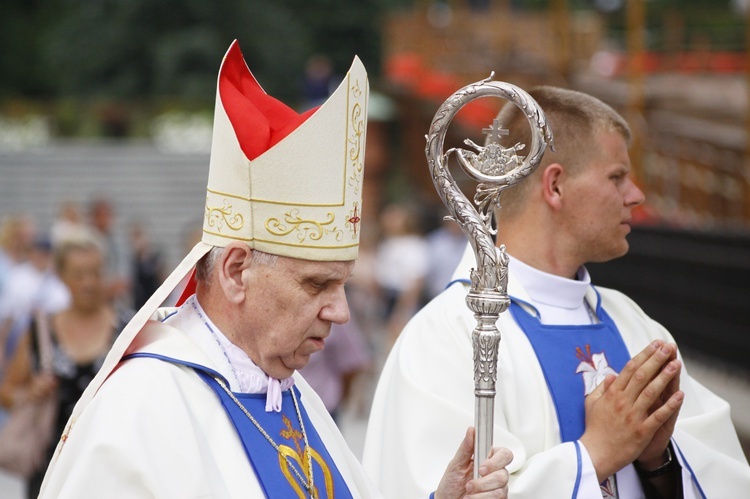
pixel 308 486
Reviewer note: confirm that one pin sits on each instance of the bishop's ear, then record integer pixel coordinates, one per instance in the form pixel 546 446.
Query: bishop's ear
pixel 552 178
pixel 235 259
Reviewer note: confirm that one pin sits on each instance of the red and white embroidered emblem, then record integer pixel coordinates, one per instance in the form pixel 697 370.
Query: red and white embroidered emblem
pixel 354 219
pixel 594 368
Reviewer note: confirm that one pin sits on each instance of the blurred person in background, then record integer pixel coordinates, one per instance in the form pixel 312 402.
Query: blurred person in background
pixel 81 335
pixel 318 82
pixel 32 286
pixel 116 263
pixel 69 223
pixel 401 262
pixel 445 245
pixel 147 265
pixel 16 238
pixel 363 292
pixel 333 371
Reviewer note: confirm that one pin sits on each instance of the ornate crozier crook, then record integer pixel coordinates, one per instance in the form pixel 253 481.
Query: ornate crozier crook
pixel 495 168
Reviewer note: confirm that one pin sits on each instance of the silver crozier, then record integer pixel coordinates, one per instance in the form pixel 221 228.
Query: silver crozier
pixel 495 168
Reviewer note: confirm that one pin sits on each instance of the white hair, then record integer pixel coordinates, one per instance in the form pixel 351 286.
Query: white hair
pixel 205 267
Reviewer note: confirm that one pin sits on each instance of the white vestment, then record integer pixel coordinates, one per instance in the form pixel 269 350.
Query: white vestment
pixel 155 429
pixel 425 401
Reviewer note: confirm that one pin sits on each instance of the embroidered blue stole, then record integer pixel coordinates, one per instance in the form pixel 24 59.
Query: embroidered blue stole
pixel 574 359
pixel 274 468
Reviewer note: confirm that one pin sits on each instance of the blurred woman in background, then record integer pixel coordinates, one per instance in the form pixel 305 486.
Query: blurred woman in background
pixel 81 336
pixel 401 263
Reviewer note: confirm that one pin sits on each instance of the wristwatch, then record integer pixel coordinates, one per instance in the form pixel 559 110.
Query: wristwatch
pixel 660 470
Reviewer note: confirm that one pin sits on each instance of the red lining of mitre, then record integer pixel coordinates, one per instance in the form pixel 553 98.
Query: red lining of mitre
pixel 259 120
pixel 189 290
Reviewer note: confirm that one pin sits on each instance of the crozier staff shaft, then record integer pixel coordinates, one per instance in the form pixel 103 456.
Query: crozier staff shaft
pixel 495 168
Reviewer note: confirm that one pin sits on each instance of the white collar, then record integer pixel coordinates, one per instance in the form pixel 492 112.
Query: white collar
pixel 232 362
pixel 550 289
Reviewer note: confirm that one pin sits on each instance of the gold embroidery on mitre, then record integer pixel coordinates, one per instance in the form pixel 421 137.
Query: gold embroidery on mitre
pixel 355 140
pixel 356 91
pixel 306 228
pixel 219 216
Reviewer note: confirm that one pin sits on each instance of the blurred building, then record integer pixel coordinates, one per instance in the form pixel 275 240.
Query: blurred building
pixel 684 94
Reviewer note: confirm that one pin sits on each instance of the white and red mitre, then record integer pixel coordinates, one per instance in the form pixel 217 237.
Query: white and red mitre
pixel 284 183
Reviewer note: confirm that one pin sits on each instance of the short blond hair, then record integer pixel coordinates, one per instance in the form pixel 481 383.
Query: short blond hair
pixel 575 119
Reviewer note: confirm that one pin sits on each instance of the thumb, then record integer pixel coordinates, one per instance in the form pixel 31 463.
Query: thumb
pixel 603 386
pixel 608 380
pixel 465 451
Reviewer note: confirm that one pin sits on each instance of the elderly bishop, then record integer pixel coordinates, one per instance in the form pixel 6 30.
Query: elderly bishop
pixel 204 400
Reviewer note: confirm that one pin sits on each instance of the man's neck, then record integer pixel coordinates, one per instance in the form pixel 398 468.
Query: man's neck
pixel 540 246
pixel 214 309
pixel 544 257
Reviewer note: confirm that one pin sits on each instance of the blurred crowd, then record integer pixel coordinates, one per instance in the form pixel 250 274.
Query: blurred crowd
pixel 65 294
pixel 80 281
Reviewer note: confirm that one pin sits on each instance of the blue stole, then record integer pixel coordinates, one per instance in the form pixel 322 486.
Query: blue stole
pixel 574 359
pixel 273 468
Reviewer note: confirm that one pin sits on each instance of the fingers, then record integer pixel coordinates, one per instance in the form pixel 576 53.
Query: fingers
pixel 493 475
pixel 604 385
pixel 642 368
pixel 670 408
pixel 459 470
pixel 595 395
pixel 500 457
pixel 494 485
pixel 636 362
pixel 655 391
pixel 674 384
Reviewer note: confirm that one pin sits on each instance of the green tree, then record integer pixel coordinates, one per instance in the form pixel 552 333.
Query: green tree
pixel 154 48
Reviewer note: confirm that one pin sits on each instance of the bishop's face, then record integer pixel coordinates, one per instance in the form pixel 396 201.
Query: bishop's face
pixel 600 202
pixel 289 310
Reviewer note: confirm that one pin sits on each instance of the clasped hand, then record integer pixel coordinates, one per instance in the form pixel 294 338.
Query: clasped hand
pixel 631 417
